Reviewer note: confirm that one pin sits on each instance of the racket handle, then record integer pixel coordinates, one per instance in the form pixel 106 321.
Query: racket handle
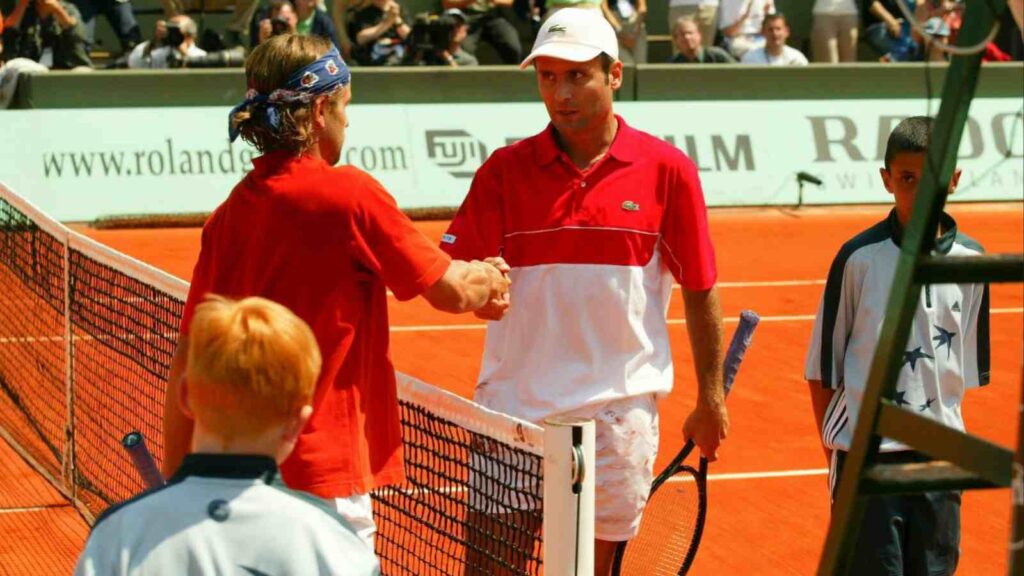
pixel 135 444
pixel 738 347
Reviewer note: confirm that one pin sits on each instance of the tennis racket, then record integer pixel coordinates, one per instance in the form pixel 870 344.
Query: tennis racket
pixel 135 445
pixel 673 520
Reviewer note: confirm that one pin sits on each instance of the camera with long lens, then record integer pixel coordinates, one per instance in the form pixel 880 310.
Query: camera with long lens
pixel 429 38
pixel 214 58
pixel 175 37
pixel 230 58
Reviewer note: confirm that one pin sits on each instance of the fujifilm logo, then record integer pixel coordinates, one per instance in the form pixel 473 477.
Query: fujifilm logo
pixel 456 151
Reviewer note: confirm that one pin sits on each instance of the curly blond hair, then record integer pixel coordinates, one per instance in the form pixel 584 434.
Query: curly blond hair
pixel 267 69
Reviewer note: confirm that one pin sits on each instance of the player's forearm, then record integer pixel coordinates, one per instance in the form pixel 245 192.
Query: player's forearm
pixel 820 399
pixel 177 426
pixel 704 324
pixel 465 287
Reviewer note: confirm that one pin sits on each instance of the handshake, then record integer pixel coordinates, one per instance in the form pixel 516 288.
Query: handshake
pixel 495 270
pixel 478 286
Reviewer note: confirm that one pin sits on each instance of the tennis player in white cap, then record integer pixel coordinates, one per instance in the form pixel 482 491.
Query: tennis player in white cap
pixel 596 220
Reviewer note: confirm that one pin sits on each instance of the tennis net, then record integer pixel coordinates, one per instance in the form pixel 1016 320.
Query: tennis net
pixel 86 340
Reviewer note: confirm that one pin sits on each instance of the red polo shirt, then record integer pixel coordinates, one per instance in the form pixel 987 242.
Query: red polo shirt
pixel 593 254
pixel 327 243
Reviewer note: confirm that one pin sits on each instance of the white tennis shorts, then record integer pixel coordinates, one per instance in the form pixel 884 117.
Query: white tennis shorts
pixel 626 443
pixel 357 510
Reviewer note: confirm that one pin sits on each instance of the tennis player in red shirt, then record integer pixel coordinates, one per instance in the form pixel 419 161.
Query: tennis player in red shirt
pixel 595 219
pixel 326 243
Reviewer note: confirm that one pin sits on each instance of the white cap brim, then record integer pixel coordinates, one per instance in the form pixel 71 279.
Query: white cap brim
pixel 563 51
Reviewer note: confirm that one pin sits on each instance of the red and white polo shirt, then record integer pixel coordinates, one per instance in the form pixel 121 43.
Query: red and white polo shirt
pixel 593 254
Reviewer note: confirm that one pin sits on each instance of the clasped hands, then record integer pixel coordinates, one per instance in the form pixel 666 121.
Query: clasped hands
pixel 499 302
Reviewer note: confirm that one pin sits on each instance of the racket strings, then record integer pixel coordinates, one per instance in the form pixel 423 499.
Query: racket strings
pixel 669 529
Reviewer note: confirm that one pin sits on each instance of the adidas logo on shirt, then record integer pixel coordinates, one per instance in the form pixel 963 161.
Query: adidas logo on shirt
pixel 956 306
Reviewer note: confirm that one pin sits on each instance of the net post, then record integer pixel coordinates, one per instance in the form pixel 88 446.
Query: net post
pixel 568 496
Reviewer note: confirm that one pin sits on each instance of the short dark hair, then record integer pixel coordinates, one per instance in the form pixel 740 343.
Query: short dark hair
pixel 911 135
pixel 768 18
pixel 606 63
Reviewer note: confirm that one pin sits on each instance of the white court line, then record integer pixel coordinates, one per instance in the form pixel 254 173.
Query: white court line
pixel 483 326
pixel 752 284
pixel 670 322
pixel 120 336
pixel 30 509
pixel 754 475
pixel 677 479
pixel 30 339
pixel 766 284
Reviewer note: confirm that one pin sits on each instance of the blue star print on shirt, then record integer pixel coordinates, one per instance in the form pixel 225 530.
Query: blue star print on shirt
pixel 912 356
pixel 945 338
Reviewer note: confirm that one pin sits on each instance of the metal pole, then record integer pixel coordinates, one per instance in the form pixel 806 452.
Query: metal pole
pixel 1017 532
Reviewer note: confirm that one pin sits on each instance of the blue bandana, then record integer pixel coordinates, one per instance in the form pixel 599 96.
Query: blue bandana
pixel 324 76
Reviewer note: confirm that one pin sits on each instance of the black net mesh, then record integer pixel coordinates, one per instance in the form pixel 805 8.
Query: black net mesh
pixel 125 331
pixel 33 343
pixel 470 504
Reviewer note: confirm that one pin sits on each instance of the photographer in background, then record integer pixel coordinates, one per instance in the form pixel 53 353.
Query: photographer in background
pixel 142 53
pixel 304 18
pixel 237 26
pixel 279 18
pixel 314 21
pixel 436 40
pixel 171 49
pixel 49 32
pixel 379 30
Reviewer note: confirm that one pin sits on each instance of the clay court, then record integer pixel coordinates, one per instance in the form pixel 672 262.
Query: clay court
pixel 768 509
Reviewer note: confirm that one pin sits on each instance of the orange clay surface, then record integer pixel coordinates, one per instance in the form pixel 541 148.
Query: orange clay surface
pixel 760 523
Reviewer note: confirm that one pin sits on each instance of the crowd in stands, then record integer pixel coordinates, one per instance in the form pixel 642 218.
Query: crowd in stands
pixel 59 34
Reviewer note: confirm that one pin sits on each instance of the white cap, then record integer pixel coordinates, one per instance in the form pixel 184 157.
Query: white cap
pixel 575 34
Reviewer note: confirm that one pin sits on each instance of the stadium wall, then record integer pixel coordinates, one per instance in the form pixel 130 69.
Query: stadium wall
pixel 105 144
